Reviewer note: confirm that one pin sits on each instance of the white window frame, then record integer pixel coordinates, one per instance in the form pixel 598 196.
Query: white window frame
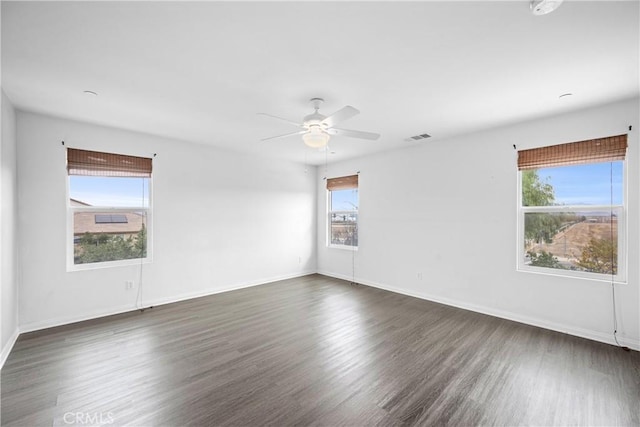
pixel 331 212
pixel 618 210
pixel 71 266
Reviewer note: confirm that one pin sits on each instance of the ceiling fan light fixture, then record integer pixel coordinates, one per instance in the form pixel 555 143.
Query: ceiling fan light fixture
pixel 543 7
pixel 316 137
pixel 318 128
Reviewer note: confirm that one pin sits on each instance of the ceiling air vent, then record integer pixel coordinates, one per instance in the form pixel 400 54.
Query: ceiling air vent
pixel 419 137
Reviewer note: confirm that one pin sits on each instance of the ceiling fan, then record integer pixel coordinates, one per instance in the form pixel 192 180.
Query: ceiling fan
pixel 318 128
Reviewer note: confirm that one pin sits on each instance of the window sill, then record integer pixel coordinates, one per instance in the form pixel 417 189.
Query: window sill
pixel 343 247
pixel 569 274
pixel 108 264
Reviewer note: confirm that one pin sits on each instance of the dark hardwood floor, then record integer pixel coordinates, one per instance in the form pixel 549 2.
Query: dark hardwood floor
pixel 315 351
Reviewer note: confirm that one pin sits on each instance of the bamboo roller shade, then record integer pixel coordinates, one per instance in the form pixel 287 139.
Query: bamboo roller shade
pixel 95 163
pixel 591 151
pixel 342 183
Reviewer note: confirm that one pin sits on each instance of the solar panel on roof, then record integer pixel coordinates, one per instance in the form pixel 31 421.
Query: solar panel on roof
pixel 111 219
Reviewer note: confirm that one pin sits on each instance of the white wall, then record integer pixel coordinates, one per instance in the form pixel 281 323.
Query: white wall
pixel 8 231
pixel 221 220
pixel 447 209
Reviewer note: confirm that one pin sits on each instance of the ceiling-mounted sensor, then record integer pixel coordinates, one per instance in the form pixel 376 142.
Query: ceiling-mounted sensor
pixel 542 7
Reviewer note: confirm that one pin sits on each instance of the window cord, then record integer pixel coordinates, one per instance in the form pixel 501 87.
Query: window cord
pixel 326 164
pixel 353 266
pixel 353 259
pixel 613 285
pixel 139 296
pixel 139 293
pixel 139 305
pixel 353 252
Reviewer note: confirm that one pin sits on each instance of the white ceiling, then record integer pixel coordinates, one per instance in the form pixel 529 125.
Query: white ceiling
pixel 200 71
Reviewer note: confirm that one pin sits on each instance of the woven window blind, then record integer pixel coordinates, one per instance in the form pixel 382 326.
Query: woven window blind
pixel 95 163
pixel 591 151
pixel 342 183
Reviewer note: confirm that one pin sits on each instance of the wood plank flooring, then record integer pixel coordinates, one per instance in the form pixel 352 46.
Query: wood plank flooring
pixel 315 351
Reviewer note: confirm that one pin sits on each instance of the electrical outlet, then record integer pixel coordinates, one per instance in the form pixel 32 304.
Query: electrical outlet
pixel 419 276
pixel 128 284
pixel 299 260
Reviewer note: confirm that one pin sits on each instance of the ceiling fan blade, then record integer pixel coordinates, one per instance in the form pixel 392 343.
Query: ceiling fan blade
pixel 285 135
pixel 340 116
pixel 354 133
pixel 281 118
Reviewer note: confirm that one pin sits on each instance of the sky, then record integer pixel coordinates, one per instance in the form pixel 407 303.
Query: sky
pixel 344 200
pixel 589 184
pixel 134 192
pixel 110 191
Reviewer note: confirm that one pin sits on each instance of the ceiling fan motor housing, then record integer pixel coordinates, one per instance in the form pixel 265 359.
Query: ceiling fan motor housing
pixel 314 119
pixel 319 128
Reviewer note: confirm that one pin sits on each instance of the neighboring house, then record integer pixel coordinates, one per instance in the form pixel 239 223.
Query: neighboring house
pixel 122 224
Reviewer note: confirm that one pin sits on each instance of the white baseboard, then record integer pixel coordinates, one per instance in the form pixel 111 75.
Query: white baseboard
pixel 192 295
pixel 51 323
pixel 8 347
pixel 571 330
pixel 61 321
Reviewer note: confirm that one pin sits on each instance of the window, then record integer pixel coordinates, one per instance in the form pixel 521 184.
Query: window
pixel 343 211
pixel 109 209
pixel 571 209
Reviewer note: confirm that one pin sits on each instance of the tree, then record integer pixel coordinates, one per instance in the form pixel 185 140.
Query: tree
pixel 534 191
pixel 541 227
pixel 103 247
pixel 600 256
pixel 544 259
pixel 538 227
pixel 140 244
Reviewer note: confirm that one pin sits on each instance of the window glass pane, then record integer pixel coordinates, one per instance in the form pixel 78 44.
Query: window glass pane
pixel 109 236
pixel 108 191
pixel 584 241
pixel 344 200
pixel 344 217
pixel 344 228
pixel 590 184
